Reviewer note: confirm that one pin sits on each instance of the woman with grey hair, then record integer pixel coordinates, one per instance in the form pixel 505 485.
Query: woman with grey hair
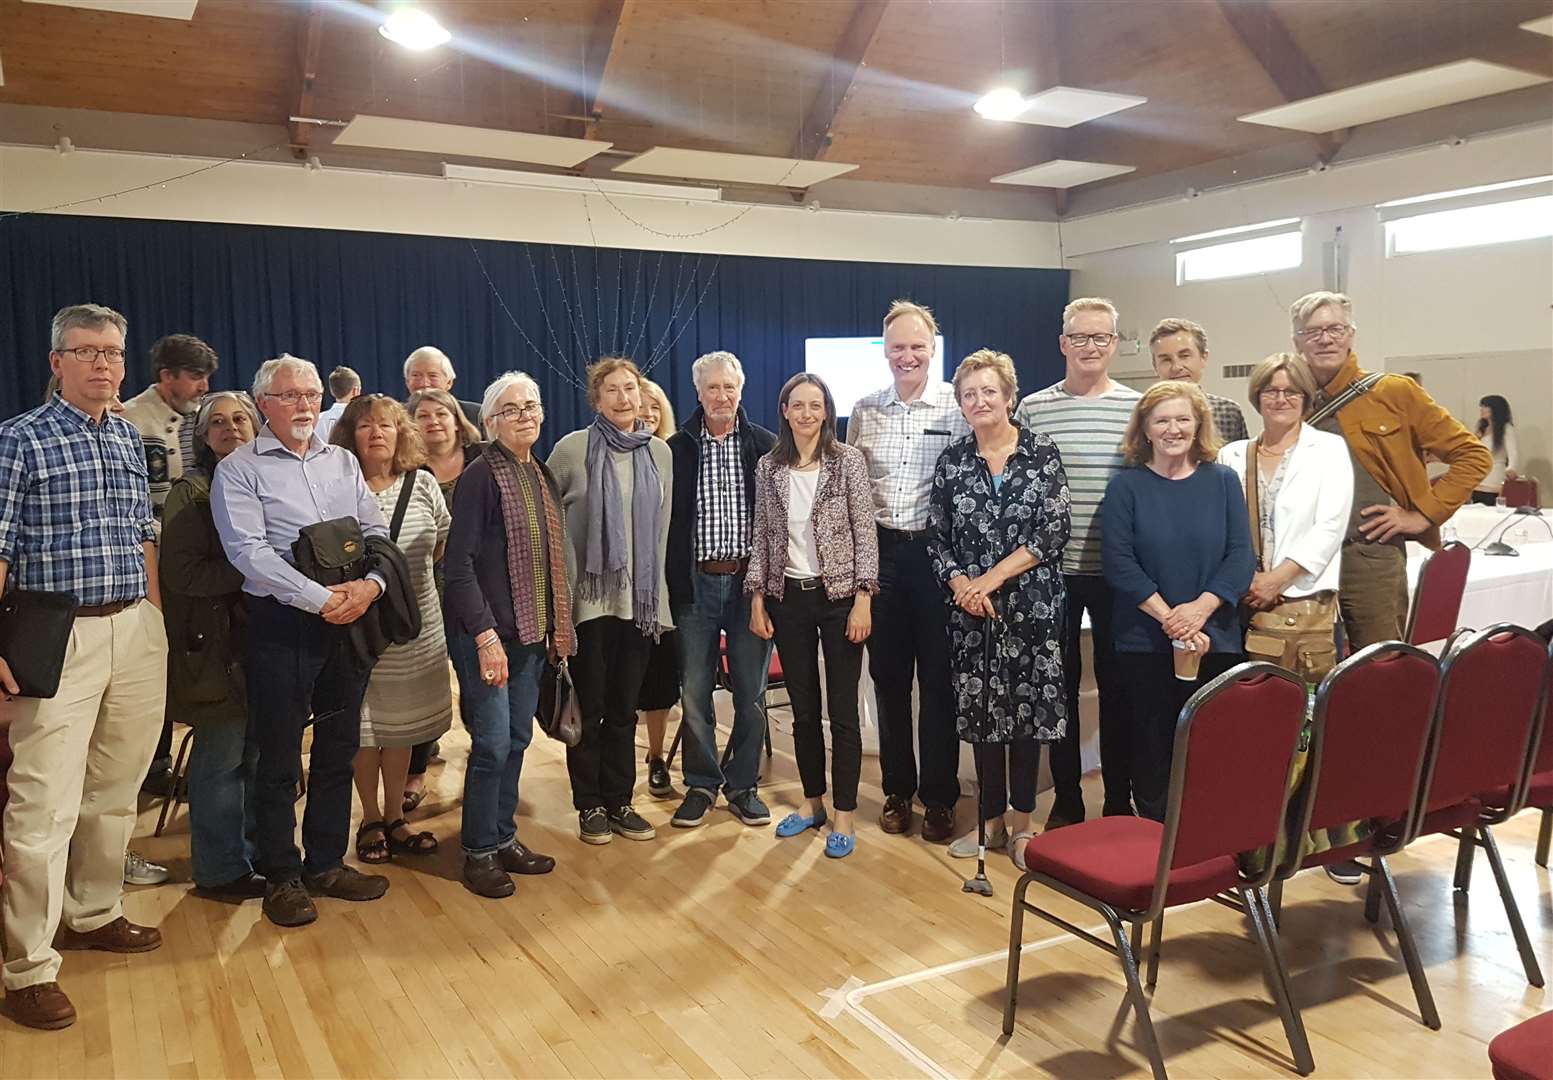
pixel 202 600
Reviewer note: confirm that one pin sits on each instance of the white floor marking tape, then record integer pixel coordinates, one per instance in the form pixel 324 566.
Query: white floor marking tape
pixel 836 1000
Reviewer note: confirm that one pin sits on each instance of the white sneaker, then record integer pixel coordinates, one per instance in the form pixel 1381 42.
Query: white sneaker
pixel 138 870
pixel 966 846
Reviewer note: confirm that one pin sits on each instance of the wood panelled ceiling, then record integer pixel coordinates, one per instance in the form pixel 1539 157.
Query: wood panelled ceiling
pixel 887 84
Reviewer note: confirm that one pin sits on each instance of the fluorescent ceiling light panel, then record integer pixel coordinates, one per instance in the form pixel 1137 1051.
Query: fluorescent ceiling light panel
pixel 1062 173
pixel 582 185
pixel 1067 106
pixel 1233 230
pixel 1479 190
pixel 732 168
pixel 162 9
pixel 1400 95
pixel 455 140
pixel 1543 25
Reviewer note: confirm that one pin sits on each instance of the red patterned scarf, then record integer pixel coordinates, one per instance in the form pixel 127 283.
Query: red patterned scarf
pixel 526 562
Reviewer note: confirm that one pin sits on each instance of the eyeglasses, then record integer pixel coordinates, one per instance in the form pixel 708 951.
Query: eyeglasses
pixel 1279 392
pixel 1336 332
pixel 88 354
pixel 518 412
pixel 295 397
pixel 1101 341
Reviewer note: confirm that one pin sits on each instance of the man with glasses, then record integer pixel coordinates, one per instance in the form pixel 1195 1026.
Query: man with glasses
pixel 265 493
pixel 1086 415
pixel 1180 351
pixel 1390 423
pixel 75 517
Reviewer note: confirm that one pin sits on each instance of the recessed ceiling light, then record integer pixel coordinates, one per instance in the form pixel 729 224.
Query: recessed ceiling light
pixel 1004 103
pixel 1067 106
pixel 1063 173
pixel 1543 25
pixel 414 29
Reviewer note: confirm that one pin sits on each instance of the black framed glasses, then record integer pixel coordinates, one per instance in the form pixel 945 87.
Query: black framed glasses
pixel 1100 341
pixel 1336 332
pixel 518 412
pixel 89 354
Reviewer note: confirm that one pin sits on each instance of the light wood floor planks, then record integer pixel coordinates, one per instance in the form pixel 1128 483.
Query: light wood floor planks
pixel 708 953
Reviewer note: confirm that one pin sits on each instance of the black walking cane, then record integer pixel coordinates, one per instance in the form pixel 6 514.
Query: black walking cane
pixel 979 884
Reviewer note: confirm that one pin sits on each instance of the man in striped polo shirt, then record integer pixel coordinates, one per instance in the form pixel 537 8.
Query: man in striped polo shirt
pixel 1086 414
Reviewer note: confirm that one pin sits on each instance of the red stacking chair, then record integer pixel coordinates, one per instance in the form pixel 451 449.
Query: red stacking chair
pixel 775 680
pixel 1489 711
pixel 1229 789
pixel 1521 492
pixel 1524 1052
pixel 1375 713
pixel 1437 596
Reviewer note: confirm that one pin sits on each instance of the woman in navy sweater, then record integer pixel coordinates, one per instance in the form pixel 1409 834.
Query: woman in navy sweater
pixel 1177 554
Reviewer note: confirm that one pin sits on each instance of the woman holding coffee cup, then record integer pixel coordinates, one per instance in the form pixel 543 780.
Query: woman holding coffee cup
pixel 1176 544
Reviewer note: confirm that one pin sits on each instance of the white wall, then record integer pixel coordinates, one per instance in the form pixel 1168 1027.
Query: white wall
pixel 260 193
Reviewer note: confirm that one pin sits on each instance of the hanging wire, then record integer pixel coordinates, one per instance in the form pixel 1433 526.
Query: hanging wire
pixel 576 333
pixel 564 373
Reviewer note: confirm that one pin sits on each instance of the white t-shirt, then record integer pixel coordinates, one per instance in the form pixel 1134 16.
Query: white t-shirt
pixel 803 557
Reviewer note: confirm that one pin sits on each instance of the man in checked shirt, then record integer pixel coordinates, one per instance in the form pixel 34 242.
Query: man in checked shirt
pixel 902 429
pixel 75 517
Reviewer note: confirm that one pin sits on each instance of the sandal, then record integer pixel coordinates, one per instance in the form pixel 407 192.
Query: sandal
pixel 413 799
pixel 376 851
pixel 421 843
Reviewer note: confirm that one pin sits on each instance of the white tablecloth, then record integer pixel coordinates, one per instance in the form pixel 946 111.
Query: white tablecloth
pixel 1502 588
pixel 1473 523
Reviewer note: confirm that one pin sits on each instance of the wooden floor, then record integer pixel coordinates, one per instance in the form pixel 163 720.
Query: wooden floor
pixel 710 953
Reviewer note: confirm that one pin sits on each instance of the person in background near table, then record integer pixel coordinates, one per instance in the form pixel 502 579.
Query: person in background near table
pixel 1178 557
pixel 181 367
pixel 203 596
pixel 901 431
pixel 75 517
pixel 452 443
pixel 428 368
pixel 1086 415
pixel 509 605
pixel 616 481
pixel 409 701
pixel 1000 520
pixel 660 686
pixel 1298 511
pixel 715 455
pixel 265 493
pixel 1180 351
pixel 1389 422
pixel 1496 431
pixel 344 387
pixel 814 567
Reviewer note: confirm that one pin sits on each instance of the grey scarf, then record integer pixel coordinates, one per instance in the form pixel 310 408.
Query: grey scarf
pixel 604 568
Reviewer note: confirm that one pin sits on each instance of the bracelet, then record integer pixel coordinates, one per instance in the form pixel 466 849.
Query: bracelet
pixel 488 642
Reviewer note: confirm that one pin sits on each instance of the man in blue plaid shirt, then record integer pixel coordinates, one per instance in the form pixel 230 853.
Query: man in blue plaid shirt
pixel 75 517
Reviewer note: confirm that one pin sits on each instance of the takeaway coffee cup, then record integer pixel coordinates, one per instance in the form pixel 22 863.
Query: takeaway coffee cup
pixel 1187 658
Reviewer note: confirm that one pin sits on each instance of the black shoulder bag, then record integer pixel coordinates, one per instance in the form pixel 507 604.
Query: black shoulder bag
pixel 34 635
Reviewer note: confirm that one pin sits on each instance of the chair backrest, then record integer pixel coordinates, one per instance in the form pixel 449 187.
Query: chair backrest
pixel 1521 491
pixel 1369 739
pixel 1490 690
pixel 1540 758
pixel 1437 596
pixel 1229 779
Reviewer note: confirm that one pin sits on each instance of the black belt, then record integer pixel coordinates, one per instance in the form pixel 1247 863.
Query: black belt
pixel 901 536
pixel 807 584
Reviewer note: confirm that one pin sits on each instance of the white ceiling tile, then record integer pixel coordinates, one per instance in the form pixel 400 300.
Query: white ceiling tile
pixel 732 168
pixel 456 140
pixel 1543 25
pixel 1063 173
pixel 1067 106
pixel 162 9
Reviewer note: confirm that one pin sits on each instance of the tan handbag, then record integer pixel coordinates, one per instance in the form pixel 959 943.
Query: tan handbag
pixel 1297 635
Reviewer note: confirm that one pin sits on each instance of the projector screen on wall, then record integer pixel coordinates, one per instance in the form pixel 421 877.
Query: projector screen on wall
pixel 855 366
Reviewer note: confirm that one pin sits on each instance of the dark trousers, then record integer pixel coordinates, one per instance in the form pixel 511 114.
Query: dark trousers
pixel 1155 698
pixel 806 623
pixel 911 638
pixel 297 671
pixel 1089 592
pixel 1007 774
pixel 607 671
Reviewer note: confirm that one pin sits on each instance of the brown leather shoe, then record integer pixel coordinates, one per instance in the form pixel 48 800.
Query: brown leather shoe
pixel 286 903
pixel 42 1005
pixel 518 859
pixel 344 883
pixel 485 876
pixel 121 936
pixel 896 817
pixel 938 824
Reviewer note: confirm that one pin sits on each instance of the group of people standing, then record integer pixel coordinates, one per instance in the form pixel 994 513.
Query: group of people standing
pixel 960 534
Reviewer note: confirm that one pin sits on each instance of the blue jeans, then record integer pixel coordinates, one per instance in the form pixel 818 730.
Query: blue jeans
pixel 721 605
pixel 221 800
pixel 501 725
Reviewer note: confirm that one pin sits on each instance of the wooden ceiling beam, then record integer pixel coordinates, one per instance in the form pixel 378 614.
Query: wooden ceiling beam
pixel 1268 40
pixel 851 55
pixel 310 37
pixel 600 53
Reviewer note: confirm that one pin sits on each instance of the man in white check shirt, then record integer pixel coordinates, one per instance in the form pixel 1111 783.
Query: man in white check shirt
pixel 902 429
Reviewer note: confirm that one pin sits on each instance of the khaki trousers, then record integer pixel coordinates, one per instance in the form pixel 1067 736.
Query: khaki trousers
pixel 1372 593
pixel 79 760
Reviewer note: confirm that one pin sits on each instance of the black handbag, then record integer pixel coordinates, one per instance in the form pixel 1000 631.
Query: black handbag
pixel 558 714
pixel 34 634
pixel 331 552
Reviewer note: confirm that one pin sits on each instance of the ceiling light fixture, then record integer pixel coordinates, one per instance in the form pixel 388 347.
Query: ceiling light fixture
pixel 1004 103
pixel 414 29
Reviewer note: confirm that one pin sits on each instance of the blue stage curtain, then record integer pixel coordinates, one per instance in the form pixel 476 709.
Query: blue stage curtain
pixel 368 299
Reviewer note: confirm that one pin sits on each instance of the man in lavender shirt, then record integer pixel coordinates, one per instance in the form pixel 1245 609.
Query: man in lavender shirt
pixel 264 494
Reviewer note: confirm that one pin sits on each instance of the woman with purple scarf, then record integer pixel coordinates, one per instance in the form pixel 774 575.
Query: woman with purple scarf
pixel 614 478
pixel 508 609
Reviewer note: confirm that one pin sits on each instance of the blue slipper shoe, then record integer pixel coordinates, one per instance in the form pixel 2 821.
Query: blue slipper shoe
pixel 793 824
pixel 839 845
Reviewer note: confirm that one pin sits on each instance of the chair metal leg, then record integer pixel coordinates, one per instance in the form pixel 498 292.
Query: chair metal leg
pixel 1511 909
pixel 1372 901
pixel 1545 836
pixel 1410 958
pixel 1464 850
pixel 1261 918
pixel 1140 1004
pixel 174 796
pixel 1275 903
pixel 679 734
pixel 1135 939
pixel 1155 938
pixel 1015 930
